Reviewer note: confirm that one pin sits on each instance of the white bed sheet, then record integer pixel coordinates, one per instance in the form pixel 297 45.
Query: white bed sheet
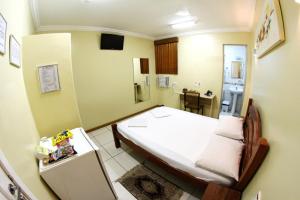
pixel 177 139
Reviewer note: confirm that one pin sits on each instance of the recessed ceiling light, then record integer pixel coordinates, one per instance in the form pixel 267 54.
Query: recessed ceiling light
pixel 297 1
pixel 179 20
pixel 185 24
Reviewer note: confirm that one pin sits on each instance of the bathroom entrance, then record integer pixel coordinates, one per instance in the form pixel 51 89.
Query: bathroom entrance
pixel 234 79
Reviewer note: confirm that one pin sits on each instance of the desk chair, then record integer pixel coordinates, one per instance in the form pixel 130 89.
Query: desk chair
pixel 192 101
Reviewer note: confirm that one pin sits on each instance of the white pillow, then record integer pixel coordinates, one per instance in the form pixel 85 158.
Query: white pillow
pixel 231 127
pixel 222 155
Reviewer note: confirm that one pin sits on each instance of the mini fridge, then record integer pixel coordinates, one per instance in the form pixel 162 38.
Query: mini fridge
pixel 81 176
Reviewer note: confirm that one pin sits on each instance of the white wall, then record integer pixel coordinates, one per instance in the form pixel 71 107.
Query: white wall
pixel 276 92
pixel 200 59
pixel 104 80
pixel 18 133
pixel 58 110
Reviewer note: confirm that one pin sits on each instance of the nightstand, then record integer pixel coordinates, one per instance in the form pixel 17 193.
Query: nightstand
pixel 218 192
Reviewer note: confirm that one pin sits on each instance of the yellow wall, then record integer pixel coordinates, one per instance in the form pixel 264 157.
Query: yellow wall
pixel 200 59
pixel 57 110
pixel 18 133
pixel 104 78
pixel 276 91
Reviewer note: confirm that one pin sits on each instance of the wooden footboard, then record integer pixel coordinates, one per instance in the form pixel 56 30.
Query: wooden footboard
pixel 255 151
pixel 115 134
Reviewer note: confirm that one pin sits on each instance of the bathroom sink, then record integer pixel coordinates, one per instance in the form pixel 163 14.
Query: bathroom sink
pixel 236 89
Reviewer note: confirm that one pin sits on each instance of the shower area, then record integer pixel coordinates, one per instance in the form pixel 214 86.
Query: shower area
pixel 234 79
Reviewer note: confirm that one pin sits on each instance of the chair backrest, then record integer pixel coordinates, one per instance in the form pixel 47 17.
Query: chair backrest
pixel 191 99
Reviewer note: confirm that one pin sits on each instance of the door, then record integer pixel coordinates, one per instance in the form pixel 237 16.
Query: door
pixel 7 187
pixel 234 79
pixel 11 186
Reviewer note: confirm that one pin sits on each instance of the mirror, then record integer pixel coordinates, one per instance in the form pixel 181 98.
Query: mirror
pixel 236 69
pixel 141 79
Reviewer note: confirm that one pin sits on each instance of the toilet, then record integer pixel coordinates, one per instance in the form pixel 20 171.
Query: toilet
pixel 225 106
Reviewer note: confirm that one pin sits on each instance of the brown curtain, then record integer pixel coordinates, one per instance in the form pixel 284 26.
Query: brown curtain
pixel 166 56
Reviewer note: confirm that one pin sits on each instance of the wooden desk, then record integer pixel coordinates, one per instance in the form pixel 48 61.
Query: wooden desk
pixel 205 100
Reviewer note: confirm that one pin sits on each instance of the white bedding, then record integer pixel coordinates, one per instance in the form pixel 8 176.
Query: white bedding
pixel 177 139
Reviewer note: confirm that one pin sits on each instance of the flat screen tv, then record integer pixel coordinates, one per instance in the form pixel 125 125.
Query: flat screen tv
pixel 111 41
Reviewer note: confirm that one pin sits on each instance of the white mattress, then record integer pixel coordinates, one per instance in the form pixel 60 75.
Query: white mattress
pixel 177 139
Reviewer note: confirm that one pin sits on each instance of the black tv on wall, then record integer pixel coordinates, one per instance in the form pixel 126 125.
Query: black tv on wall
pixel 111 41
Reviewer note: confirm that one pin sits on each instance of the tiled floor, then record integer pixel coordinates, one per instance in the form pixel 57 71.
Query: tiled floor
pixel 118 161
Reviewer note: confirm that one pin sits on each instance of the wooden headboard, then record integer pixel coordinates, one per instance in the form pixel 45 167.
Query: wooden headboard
pixel 256 147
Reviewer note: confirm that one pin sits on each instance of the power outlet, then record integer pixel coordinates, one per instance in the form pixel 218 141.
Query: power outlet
pixel 197 84
pixel 258 196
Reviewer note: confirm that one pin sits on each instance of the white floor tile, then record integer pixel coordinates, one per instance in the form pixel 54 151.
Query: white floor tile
pixel 105 137
pixel 192 197
pixel 112 150
pixel 225 113
pixel 122 193
pixel 114 169
pixel 126 161
pixel 97 132
pixel 105 156
pixel 185 196
pixel 109 127
pixel 95 141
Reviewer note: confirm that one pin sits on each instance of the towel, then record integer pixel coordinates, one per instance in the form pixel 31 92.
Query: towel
pixel 159 113
pixel 138 122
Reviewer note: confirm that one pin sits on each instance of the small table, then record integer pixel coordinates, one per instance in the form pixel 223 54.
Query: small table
pixel 218 192
pixel 205 100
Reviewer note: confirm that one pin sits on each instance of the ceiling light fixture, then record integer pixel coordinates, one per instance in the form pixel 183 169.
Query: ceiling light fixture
pixel 297 1
pixel 183 13
pixel 185 24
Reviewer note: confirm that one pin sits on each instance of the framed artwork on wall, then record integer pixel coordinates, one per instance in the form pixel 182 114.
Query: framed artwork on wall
pixel 14 51
pixel 269 30
pixel 49 79
pixel 3 28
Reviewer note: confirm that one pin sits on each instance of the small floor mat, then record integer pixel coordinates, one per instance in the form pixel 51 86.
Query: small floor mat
pixel 144 184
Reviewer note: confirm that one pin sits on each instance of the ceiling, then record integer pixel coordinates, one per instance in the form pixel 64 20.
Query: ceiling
pixel 144 18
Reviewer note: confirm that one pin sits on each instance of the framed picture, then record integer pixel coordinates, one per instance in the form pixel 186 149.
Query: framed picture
pixel 270 30
pixel 49 79
pixel 3 28
pixel 14 51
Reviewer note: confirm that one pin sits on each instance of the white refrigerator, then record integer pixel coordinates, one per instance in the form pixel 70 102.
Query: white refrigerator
pixel 82 176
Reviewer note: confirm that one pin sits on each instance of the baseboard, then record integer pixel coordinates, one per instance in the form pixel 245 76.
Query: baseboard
pixel 120 119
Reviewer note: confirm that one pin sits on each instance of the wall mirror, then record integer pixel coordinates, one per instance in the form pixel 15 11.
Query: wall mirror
pixel 141 79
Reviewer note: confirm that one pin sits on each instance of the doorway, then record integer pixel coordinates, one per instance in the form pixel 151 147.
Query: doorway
pixel 234 79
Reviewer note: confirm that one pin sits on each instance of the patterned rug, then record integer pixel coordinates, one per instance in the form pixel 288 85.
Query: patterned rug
pixel 144 184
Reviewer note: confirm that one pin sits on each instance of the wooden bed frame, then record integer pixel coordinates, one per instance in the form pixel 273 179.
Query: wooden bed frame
pixel 255 151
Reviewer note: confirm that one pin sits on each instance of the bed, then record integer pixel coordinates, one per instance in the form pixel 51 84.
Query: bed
pixel 175 143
